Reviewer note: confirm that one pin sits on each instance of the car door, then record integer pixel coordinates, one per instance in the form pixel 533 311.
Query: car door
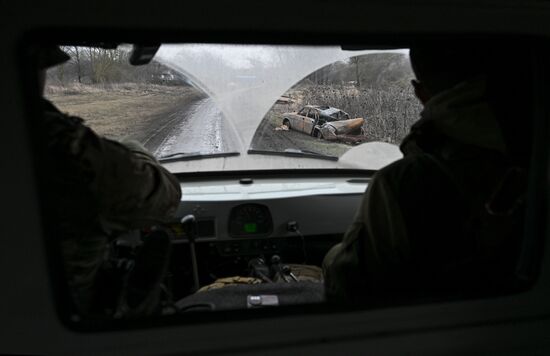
pixel 298 120
pixel 310 120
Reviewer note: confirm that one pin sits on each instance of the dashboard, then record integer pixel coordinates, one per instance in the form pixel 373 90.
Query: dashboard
pixel 257 215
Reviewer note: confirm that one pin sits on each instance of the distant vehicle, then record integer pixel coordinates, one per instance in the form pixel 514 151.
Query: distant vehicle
pixel 322 121
pixel 167 77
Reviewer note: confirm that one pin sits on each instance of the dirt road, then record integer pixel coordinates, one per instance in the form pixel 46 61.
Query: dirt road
pixel 198 127
pixel 165 119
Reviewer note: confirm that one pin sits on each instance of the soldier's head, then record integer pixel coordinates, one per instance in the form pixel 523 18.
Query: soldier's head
pixel 441 67
pixel 507 68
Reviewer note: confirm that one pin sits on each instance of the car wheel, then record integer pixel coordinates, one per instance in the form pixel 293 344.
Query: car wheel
pixel 286 123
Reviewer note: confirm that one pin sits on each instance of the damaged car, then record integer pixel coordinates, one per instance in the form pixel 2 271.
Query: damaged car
pixel 324 122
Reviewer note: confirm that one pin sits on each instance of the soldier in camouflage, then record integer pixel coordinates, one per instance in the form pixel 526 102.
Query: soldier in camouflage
pixel 425 226
pixel 96 188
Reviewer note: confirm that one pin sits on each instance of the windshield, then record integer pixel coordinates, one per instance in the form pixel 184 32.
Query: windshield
pixel 212 107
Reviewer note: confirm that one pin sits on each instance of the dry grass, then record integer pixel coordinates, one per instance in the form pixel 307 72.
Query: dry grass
pixel 117 110
pixel 78 89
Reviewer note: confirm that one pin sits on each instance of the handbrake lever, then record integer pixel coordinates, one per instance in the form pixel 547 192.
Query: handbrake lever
pixel 287 271
pixel 276 267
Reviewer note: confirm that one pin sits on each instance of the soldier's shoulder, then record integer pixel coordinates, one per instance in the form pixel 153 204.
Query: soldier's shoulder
pixel 412 163
pixel 54 116
pixel 55 122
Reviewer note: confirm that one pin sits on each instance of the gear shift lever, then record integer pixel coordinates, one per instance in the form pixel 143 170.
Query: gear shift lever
pixel 189 225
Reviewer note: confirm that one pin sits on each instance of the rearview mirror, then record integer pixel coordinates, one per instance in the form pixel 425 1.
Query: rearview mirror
pixel 143 54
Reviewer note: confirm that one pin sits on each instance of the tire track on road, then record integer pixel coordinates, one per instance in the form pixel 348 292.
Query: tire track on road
pixel 201 128
pixel 162 125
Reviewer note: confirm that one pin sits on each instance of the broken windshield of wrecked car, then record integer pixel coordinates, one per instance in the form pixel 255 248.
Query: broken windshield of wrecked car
pixel 231 103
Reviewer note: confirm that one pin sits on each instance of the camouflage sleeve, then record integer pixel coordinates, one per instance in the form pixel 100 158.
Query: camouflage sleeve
pixel 373 246
pixel 131 188
pixel 134 190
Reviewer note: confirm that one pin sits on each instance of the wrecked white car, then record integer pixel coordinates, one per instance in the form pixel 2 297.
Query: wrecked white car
pixel 324 122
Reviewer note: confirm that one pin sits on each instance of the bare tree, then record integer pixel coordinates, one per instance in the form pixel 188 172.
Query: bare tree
pixel 93 65
pixel 102 63
pixel 61 74
pixel 356 60
pixel 77 61
pixel 75 53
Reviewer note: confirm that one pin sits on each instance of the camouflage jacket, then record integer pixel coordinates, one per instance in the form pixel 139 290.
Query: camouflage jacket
pixel 409 233
pixel 95 188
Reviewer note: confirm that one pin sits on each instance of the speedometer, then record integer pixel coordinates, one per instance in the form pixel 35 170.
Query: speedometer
pixel 250 220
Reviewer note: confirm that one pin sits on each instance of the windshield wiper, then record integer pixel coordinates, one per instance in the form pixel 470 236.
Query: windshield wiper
pixel 185 156
pixel 294 152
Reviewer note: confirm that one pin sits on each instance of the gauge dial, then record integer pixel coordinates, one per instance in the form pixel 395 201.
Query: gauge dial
pixel 250 220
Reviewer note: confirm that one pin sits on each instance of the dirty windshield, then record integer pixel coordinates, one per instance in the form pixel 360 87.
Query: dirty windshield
pixel 208 107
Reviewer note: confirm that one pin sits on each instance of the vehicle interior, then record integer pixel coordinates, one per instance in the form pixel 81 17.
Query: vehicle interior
pixel 261 204
pixel 267 225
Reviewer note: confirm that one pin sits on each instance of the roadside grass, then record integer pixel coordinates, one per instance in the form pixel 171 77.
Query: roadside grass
pixel 119 110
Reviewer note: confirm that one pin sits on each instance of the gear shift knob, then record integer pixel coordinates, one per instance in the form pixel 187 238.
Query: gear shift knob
pixel 189 224
pixel 275 259
pixel 190 218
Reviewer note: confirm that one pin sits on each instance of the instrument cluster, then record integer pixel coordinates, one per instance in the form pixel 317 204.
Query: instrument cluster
pixel 250 220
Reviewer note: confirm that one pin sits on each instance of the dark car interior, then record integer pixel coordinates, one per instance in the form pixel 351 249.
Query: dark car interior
pixel 266 238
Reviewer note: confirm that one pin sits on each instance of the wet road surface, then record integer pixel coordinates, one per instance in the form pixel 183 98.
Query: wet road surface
pixel 198 127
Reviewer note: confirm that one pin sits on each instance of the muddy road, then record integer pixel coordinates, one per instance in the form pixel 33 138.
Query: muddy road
pixel 196 126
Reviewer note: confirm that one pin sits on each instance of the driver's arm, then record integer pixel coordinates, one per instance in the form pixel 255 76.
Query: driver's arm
pixel 134 190
pixel 129 187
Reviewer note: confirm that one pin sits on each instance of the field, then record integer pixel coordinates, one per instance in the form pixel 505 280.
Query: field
pixel 121 110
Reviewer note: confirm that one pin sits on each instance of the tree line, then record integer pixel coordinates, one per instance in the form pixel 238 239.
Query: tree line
pixel 377 70
pixel 94 65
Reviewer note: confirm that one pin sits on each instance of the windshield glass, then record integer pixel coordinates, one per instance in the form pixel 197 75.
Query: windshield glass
pixel 212 107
